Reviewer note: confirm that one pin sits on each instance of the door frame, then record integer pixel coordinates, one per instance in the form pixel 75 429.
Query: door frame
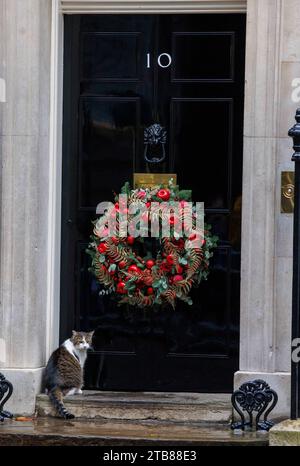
pixel 59 8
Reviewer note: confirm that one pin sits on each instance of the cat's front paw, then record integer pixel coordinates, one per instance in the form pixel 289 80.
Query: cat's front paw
pixel 78 392
pixel 69 416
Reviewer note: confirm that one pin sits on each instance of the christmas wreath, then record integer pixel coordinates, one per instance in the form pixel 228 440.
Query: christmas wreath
pixel 128 266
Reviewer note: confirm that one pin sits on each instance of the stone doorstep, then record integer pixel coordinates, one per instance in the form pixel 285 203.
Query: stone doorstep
pixel 174 407
pixel 285 434
pixel 48 431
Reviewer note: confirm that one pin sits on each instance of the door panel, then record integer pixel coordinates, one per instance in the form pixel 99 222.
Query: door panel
pixel 114 88
pixel 203 65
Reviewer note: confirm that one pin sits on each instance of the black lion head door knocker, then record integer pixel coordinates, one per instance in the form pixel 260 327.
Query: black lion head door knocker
pixel 155 138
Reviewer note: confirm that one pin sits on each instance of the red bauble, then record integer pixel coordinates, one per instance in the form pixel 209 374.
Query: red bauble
pixel 130 240
pixel 133 268
pixel 148 204
pixel 150 263
pixel 122 264
pixel 170 259
pixel 102 248
pixel 121 288
pixel 150 291
pixel 178 278
pixel 163 194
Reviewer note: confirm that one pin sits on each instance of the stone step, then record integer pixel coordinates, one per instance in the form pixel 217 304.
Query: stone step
pixel 49 431
pixel 174 407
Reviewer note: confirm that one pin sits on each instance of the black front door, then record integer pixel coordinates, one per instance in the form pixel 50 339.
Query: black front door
pixel 123 73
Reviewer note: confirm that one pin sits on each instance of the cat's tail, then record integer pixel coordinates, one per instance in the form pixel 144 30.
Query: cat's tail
pixel 56 396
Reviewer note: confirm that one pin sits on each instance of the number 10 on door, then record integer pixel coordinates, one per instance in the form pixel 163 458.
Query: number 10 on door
pixel 164 60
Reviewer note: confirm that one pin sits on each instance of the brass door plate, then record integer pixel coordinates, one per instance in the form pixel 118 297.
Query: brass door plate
pixel 149 180
pixel 287 192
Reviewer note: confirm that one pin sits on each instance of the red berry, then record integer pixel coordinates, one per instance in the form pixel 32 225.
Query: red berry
pixel 133 268
pixel 181 243
pixel 173 220
pixel 117 206
pixel 178 278
pixel 122 264
pixel 102 248
pixel 121 288
pixel 170 259
pixel 150 263
pixel 192 237
pixel 148 204
pixel 165 267
pixel 150 290
pixel 163 194
pixel 130 240
pixel 179 269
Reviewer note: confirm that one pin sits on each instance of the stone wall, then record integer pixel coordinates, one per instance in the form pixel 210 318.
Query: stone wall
pixel 25 38
pixel 272 63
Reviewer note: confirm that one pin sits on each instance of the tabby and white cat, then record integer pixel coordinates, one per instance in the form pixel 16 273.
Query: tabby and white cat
pixel 64 371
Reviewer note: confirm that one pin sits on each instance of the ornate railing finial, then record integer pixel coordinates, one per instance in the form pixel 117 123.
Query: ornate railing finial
pixel 294 133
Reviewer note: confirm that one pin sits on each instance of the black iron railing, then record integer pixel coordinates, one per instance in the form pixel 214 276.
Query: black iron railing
pixel 295 374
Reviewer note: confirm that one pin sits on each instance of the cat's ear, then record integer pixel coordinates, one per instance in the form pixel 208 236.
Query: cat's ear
pixel 91 333
pixel 73 333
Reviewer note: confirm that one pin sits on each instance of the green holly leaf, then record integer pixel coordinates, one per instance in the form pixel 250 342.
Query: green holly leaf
pixel 185 195
pixel 126 188
pixel 156 284
pixel 183 261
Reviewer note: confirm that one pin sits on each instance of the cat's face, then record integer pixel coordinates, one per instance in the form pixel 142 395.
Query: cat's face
pixel 82 340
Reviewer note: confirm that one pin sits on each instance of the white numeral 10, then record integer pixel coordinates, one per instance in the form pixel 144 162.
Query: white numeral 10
pixel 164 60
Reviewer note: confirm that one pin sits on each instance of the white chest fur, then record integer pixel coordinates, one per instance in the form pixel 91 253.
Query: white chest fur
pixel 76 353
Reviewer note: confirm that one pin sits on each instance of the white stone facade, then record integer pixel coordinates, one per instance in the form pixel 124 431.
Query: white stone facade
pixel 31 48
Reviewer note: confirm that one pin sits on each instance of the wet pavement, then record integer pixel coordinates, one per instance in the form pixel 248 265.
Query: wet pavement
pixel 52 431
